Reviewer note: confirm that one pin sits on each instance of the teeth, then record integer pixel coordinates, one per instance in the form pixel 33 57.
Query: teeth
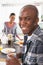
pixel 23 28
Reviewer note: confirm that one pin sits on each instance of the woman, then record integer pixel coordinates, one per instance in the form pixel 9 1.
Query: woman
pixel 10 27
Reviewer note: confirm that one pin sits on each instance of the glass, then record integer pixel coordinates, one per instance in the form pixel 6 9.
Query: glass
pixel 9 42
pixel 18 49
pixel 10 37
pixel 1 47
pixel 9 55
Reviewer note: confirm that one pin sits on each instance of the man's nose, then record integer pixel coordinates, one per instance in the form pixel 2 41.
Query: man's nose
pixel 22 23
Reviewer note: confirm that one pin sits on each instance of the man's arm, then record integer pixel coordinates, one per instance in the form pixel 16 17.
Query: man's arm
pixel 13 60
pixel 40 53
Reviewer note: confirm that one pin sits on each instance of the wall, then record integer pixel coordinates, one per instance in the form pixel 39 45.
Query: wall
pixel 6 9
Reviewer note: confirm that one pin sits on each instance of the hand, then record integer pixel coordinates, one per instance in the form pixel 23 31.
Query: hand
pixel 19 55
pixel 12 60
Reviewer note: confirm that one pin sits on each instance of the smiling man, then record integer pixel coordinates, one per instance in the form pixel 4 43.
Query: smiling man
pixel 28 21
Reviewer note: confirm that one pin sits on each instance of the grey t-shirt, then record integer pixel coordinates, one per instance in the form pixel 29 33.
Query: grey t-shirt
pixel 10 30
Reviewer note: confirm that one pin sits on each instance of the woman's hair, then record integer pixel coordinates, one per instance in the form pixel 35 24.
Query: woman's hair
pixel 12 14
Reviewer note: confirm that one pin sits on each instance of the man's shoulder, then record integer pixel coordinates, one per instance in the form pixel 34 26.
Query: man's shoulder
pixel 39 39
pixel 38 36
pixel 41 35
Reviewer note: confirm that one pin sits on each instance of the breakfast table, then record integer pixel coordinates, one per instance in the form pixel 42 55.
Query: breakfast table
pixel 3 55
pixel 14 45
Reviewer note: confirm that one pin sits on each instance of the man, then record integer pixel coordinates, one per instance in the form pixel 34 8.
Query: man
pixel 28 21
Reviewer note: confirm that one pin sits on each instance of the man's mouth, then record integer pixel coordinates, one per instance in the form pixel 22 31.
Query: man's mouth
pixel 23 28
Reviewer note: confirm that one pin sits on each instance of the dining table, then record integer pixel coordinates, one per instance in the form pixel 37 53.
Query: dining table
pixel 3 56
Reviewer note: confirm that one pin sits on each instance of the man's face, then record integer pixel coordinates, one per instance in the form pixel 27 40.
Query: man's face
pixel 12 18
pixel 27 21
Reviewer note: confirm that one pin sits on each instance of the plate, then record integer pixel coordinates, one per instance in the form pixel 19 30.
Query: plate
pixel 7 50
pixel 2 63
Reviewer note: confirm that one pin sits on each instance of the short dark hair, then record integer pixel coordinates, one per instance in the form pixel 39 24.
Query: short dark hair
pixel 32 7
pixel 12 14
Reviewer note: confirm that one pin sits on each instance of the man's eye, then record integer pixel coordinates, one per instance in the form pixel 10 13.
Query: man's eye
pixel 20 18
pixel 27 18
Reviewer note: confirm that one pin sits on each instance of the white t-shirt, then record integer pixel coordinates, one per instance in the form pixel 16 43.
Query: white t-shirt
pixel 29 37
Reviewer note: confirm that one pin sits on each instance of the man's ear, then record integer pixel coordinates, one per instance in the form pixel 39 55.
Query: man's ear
pixel 36 22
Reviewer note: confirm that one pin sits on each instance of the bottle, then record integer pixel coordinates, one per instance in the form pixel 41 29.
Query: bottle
pixel 1 46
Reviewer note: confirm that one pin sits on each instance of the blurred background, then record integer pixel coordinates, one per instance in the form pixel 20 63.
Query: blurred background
pixel 10 6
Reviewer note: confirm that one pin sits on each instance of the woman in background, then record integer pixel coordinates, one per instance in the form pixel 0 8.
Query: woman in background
pixel 10 27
